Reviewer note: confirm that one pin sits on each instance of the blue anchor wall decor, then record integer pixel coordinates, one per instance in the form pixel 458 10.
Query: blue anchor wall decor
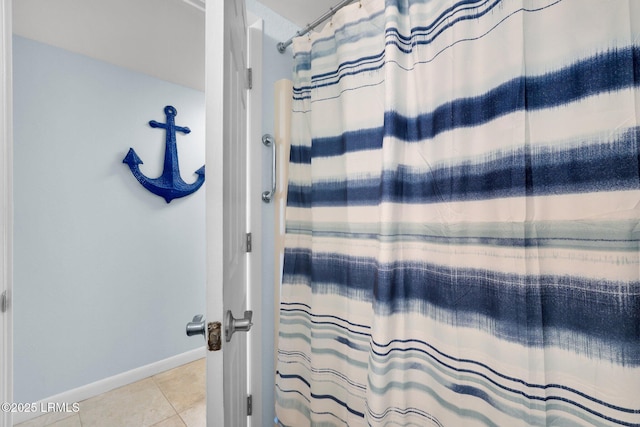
pixel 170 184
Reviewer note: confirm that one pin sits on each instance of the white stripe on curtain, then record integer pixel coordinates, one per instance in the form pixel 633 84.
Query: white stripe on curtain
pixel 462 242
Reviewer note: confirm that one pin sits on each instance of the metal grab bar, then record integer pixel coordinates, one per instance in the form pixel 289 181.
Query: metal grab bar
pixel 269 141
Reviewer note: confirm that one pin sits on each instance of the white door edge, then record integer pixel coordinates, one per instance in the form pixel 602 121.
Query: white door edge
pixel 6 215
pixel 214 71
pixel 226 209
pixel 254 209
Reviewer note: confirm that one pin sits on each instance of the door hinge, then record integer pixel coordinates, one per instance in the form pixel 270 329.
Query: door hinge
pixel 248 242
pixel 249 405
pixel 3 302
pixel 250 78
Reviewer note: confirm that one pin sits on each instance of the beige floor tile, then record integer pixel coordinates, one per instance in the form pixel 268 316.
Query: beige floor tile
pixel 196 416
pixel 184 386
pixel 138 404
pixel 46 419
pixel 174 421
pixel 72 421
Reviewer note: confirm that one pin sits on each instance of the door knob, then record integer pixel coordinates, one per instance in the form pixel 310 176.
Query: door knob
pixel 196 326
pixel 232 325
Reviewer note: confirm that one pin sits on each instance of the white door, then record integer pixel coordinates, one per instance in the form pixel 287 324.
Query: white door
pixel 6 221
pixel 226 218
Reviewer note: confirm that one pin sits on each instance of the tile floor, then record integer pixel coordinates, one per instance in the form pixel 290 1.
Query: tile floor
pixel 174 398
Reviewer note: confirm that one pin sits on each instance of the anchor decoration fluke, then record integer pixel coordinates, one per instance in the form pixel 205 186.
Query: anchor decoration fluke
pixel 169 185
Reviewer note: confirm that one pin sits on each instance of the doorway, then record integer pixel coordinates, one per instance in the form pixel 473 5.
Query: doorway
pixel 115 303
pixel 102 263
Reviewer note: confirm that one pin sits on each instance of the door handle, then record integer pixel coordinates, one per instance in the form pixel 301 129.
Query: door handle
pixel 196 326
pixel 232 324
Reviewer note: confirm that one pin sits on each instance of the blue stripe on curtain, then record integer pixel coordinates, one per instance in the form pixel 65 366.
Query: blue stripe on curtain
pixel 466 294
pixel 587 168
pixel 463 239
pixel 606 72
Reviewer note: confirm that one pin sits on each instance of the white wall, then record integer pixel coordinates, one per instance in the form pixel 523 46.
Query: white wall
pixel 106 273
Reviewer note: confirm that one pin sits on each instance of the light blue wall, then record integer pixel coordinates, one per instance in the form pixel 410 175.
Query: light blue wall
pixel 106 273
pixel 276 66
pixel 100 262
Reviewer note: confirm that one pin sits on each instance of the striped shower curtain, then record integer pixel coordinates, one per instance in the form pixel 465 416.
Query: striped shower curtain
pixel 462 241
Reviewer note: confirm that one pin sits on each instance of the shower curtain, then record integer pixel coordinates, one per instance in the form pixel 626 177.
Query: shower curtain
pixel 462 219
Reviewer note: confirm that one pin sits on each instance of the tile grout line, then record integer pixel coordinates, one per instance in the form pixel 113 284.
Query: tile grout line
pixel 158 386
pixel 153 377
pixel 182 419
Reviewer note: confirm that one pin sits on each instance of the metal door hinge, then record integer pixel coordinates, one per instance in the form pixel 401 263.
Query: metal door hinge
pixel 250 78
pixel 3 302
pixel 249 405
pixel 248 242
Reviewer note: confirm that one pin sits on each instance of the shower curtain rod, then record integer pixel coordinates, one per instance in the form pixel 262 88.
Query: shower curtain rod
pixel 282 46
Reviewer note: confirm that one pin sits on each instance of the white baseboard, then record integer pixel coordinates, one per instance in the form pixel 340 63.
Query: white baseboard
pixel 96 388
